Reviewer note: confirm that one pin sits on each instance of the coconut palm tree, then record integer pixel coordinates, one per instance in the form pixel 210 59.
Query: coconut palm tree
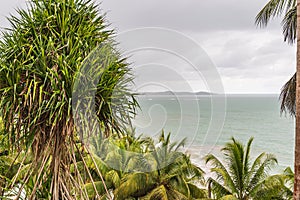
pixel 287 8
pixel 169 175
pixel 290 93
pixel 135 167
pixel 41 56
pixel 113 157
pixel 279 186
pixel 237 177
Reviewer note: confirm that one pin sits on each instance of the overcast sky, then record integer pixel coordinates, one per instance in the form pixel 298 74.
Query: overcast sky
pixel 248 59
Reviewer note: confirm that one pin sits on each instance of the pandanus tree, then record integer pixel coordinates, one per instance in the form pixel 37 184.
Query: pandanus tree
pixel 237 177
pixel 290 94
pixel 41 56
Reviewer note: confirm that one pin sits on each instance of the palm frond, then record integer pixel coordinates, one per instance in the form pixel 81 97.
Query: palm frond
pixel 113 177
pixel 196 192
pixel 133 184
pixel 262 170
pixel 289 25
pixel 273 8
pixel 288 97
pixel 234 153
pixel 99 186
pixel 218 189
pixel 158 193
pixel 222 174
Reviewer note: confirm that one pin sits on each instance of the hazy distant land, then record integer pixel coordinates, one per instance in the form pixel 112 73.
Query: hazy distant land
pixel 202 93
pixel 168 93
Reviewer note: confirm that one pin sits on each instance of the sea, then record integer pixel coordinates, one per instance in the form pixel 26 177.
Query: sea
pixel 208 122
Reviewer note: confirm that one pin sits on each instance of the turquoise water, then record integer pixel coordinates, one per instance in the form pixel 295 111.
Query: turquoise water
pixel 207 127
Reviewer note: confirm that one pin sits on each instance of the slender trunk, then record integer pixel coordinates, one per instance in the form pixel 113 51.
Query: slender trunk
pixel 209 189
pixel 297 133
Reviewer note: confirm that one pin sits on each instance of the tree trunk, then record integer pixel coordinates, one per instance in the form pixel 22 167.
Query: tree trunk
pixel 297 133
pixel 209 190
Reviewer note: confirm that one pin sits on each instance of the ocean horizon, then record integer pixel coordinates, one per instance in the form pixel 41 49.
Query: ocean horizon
pixel 208 126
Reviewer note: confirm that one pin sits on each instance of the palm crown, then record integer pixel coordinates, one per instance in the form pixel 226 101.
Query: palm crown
pixel 238 177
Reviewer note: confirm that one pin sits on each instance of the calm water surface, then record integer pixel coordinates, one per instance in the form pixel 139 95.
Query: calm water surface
pixel 198 120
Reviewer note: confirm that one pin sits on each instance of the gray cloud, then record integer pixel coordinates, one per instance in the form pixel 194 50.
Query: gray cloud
pixel 249 59
pixel 195 15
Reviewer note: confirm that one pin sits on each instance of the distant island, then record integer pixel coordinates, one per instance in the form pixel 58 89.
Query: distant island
pixel 168 93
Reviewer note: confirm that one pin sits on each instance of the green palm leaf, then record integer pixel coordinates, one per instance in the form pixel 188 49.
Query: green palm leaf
pixel 238 178
pixel 288 96
pixel 133 184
